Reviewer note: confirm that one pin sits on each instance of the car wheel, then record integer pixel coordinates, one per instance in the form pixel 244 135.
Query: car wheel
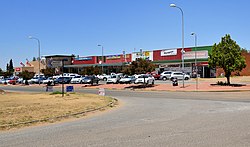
pixel 153 82
pixel 164 78
pixel 186 78
pixel 104 79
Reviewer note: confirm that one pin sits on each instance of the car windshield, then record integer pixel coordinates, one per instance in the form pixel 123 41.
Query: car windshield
pixel 143 76
pixel 113 77
pixel 88 77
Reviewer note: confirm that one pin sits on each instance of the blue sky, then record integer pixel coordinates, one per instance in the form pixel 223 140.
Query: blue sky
pixel 78 26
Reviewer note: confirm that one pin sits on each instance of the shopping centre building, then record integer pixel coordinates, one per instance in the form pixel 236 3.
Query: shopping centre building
pixel 165 59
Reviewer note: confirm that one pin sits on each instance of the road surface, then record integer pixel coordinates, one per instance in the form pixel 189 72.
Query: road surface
pixel 149 119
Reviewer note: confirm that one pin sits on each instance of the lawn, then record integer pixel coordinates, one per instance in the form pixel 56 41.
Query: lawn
pixel 16 108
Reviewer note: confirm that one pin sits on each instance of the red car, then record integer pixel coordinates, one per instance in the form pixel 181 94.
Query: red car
pixel 155 75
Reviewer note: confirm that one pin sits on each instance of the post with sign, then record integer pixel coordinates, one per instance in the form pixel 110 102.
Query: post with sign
pixel 63 76
pixel 101 91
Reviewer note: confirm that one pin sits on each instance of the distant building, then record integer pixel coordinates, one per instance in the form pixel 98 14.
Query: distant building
pixel 30 66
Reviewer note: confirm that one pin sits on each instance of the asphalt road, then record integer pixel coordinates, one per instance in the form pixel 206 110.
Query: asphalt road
pixel 149 119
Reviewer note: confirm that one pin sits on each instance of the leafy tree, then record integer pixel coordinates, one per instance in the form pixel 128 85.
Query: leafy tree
pixel 48 72
pixel 7 74
pixel 1 72
pixel 26 75
pixel 11 68
pixel 92 70
pixel 34 59
pixel 7 67
pixel 140 66
pixel 227 55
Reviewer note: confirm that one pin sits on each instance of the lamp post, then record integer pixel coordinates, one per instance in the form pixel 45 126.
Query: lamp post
pixel 182 50
pixel 102 57
pixel 195 62
pixel 38 41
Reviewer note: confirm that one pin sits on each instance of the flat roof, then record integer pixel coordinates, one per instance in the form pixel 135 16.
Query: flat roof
pixel 48 56
pixel 87 65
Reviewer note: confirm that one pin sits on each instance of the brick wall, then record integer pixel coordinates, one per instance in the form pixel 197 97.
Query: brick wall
pixel 244 72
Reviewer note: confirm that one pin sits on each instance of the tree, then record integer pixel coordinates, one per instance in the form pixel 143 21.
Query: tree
pixel 1 72
pixel 34 59
pixel 26 75
pixel 91 70
pixel 11 68
pixel 48 72
pixel 7 67
pixel 140 66
pixel 227 55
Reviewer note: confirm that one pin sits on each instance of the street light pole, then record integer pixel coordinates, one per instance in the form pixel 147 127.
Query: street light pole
pixel 182 50
pixel 196 71
pixel 31 37
pixel 102 58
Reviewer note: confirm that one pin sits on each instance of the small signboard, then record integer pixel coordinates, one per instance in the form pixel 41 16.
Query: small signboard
pixel 101 91
pixel 69 88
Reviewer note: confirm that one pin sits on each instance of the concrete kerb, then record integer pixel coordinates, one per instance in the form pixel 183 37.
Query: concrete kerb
pixel 167 90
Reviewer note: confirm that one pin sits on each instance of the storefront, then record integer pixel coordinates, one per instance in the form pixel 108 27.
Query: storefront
pixel 171 59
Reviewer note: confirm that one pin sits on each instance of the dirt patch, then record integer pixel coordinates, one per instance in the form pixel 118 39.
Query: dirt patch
pixel 16 108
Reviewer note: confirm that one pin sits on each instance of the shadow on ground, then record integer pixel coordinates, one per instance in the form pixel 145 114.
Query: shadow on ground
pixel 231 85
pixel 141 86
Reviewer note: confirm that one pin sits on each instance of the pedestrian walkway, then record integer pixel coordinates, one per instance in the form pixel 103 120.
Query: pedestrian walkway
pixel 203 85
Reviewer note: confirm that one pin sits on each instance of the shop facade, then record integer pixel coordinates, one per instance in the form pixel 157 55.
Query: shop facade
pixel 171 60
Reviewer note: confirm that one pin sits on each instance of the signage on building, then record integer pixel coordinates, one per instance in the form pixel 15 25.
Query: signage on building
pixel 18 69
pixel 56 63
pixel 199 55
pixel 83 58
pixel 169 52
pixel 147 55
pixel 110 57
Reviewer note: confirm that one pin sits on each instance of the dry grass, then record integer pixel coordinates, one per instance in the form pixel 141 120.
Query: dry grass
pixel 22 107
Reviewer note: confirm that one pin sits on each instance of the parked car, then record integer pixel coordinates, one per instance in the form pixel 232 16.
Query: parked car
pixel 103 77
pixel 49 79
pixel 2 81
pixel 36 80
pixel 77 80
pixel 179 76
pixel 155 75
pixel 90 80
pixel 20 81
pixel 114 79
pixel 145 79
pixel 127 79
pixel 64 80
pixel 165 75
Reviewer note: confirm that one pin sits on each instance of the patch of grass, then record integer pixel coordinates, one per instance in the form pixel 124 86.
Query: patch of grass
pixel 22 107
pixel 56 92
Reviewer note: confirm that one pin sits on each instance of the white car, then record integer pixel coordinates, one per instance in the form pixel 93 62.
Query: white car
pixel 145 79
pixel 165 75
pixel 179 76
pixel 103 77
pixel 77 80
pixel 49 79
pixel 113 79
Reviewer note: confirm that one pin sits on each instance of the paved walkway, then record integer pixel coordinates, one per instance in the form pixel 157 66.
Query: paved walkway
pixel 203 85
